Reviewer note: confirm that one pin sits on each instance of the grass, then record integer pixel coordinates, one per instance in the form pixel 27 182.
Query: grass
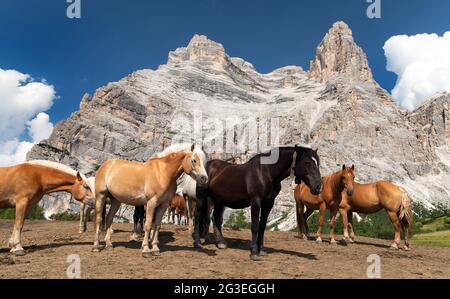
pixel 36 213
pixel 237 221
pixel 438 238
pixel 65 216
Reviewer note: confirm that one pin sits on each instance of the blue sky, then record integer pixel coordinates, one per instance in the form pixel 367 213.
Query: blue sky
pixel 116 37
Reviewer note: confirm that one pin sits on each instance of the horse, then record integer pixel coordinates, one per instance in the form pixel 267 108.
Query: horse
pixel 330 198
pixel 86 209
pixel 255 183
pixel 371 198
pixel 177 207
pixel 23 186
pixel 152 183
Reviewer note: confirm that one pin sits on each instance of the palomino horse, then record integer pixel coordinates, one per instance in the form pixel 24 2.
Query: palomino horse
pixel 177 207
pixel 24 185
pixel 152 183
pixel 370 198
pixel 329 198
pixel 255 183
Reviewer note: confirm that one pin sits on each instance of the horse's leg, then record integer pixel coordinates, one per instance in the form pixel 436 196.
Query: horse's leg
pixel 136 218
pixel 350 226
pixel 189 213
pixel 99 206
pixel 159 214
pixel 322 211
pixel 265 211
pixel 406 233
pixel 255 210
pixel 306 215
pixel 200 214
pixel 14 241
pixel 82 227
pixel 151 206
pixel 345 223
pixel 396 222
pixel 333 214
pixel 299 208
pixel 217 223
pixel 113 208
pixel 104 217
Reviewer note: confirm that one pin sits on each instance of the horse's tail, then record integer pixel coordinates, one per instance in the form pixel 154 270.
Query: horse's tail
pixel 405 213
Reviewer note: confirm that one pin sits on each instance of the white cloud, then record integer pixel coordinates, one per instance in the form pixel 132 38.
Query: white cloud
pixel 422 63
pixel 22 101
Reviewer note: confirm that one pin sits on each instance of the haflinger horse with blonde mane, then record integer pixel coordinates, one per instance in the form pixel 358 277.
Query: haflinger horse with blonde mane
pixel 24 185
pixel 371 198
pixel 334 186
pixel 152 183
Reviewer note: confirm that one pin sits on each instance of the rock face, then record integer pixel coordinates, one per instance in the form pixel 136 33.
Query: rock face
pixel 338 55
pixel 203 94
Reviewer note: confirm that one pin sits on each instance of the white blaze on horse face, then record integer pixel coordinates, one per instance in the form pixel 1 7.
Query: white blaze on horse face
pixel 315 161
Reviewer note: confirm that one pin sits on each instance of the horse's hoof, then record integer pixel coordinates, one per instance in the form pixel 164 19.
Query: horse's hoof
pixel 256 257
pixel 333 242
pixel 147 254
pixel 319 240
pixel 394 247
pixel 109 247
pixel 197 245
pixel 19 252
pixel 222 246
pixel 351 240
pixel 156 253
pixel 97 248
pixel 407 248
pixel 262 253
pixel 305 237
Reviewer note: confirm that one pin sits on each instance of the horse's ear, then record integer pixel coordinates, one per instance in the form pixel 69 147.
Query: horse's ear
pixel 353 167
pixel 79 176
pixel 343 167
pixel 192 147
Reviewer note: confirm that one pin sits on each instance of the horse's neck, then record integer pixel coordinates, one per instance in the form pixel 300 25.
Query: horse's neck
pixel 281 169
pixel 173 164
pixel 56 181
pixel 336 184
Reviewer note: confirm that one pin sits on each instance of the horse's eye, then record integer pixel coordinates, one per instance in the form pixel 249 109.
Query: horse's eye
pixel 194 161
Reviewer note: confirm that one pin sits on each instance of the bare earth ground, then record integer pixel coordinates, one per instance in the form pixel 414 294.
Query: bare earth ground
pixel 49 243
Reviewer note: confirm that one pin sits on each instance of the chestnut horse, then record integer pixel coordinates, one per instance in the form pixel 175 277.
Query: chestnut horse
pixel 371 198
pixel 177 207
pixel 329 198
pixel 23 186
pixel 255 183
pixel 152 183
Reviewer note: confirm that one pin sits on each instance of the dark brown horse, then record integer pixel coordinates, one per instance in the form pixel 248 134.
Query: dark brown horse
pixel 256 184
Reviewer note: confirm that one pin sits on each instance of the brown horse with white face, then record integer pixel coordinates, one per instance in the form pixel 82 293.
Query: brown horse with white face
pixel 24 185
pixel 152 183
pixel 371 198
pixel 329 198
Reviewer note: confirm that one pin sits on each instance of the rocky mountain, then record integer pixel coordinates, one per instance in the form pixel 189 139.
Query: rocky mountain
pixel 202 93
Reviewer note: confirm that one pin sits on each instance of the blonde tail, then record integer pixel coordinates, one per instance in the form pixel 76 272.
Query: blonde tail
pixel 405 213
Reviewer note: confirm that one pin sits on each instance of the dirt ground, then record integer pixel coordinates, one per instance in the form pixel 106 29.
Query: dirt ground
pixel 49 243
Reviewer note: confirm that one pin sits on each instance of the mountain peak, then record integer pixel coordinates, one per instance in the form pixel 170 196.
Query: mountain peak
pixel 338 54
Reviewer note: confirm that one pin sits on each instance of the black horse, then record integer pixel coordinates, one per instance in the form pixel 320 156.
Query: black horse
pixel 256 184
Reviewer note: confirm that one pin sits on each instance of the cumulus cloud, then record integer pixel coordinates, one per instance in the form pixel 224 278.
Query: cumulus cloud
pixel 22 101
pixel 422 63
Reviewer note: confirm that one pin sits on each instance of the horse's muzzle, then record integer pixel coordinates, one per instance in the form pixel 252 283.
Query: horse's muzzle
pixel 202 180
pixel 350 191
pixel 317 190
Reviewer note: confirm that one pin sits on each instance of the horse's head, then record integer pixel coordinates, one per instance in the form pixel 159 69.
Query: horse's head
pixel 347 178
pixel 82 190
pixel 194 165
pixel 307 169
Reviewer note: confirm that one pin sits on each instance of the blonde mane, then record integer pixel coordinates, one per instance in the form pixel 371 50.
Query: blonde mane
pixel 181 147
pixel 61 167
